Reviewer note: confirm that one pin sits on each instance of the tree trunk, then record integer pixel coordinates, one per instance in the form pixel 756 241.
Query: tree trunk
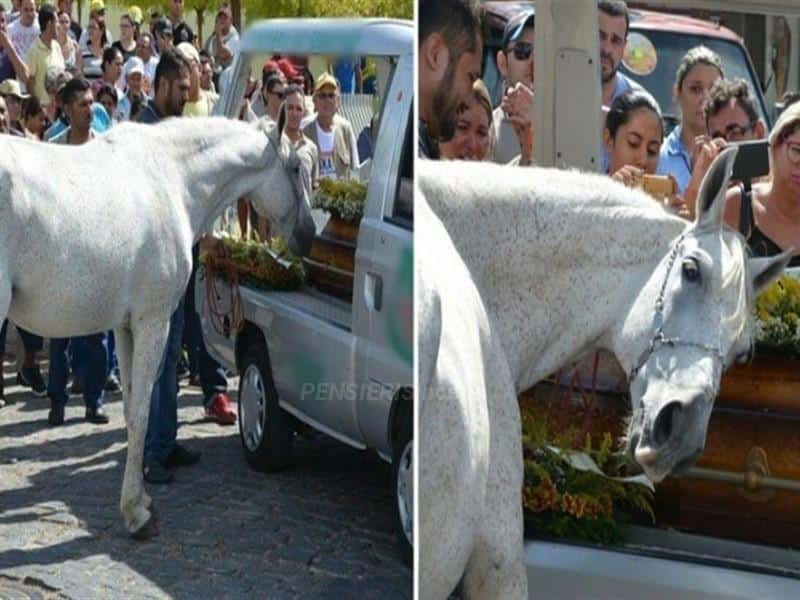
pixel 236 9
pixel 200 20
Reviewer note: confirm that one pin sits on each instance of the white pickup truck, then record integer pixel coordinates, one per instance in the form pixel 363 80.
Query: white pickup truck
pixel 343 367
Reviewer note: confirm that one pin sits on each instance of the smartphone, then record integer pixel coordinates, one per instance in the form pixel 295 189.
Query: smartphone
pixel 658 186
pixel 752 161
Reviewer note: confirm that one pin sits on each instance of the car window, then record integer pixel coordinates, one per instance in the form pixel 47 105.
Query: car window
pixel 670 49
pixel 403 213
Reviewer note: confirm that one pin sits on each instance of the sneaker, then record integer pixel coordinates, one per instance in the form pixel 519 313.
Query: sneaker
pixel 181 457
pixel 56 416
pixel 97 415
pixel 112 384
pixel 194 380
pixel 220 410
pixel 32 377
pixel 154 472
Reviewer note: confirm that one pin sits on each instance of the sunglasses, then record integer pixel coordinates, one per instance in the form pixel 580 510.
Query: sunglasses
pixel 522 50
pixel 733 132
pixel 279 95
pixel 326 95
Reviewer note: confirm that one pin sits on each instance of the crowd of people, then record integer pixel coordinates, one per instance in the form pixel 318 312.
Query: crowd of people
pixel 458 121
pixel 62 84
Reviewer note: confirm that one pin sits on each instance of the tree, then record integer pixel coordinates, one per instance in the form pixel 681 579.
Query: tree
pixel 199 6
pixel 258 9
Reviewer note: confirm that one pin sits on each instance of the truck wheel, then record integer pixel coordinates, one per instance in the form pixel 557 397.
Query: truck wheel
pixel 403 489
pixel 264 427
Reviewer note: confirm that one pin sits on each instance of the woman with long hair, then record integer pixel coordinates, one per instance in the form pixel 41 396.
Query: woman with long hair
pixel 470 135
pixel 768 215
pixel 700 68
pixel 93 54
pixel 70 49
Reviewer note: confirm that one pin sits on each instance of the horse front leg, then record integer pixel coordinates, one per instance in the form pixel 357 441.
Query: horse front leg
pixel 147 342
pixel 497 566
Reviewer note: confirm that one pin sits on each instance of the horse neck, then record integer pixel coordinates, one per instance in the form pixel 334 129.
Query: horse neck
pixel 557 257
pixel 221 162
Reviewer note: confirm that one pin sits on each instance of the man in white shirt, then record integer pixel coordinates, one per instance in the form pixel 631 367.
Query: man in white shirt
pixel 333 134
pixel 224 44
pixel 24 31
pixel 144 50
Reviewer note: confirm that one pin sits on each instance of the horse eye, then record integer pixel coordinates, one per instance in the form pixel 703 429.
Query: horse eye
pixel 691 270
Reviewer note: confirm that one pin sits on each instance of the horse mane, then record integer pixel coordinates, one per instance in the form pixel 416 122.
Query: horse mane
pixel 553 206
pixel 736 246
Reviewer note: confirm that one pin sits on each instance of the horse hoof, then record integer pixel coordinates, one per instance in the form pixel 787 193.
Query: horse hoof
pixel 148 530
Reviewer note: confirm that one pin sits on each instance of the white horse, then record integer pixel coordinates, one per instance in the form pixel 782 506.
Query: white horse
pixel 521 271
pixel 100 237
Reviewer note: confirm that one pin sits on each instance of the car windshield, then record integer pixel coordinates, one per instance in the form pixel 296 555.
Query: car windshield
pixel 670 47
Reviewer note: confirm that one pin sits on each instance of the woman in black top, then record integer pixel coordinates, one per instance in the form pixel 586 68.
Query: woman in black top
pixel 769 214
pixel 127 42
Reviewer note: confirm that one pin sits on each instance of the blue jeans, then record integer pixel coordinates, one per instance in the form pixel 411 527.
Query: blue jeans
pixel 78 357
pixel 212 374
pixel 31 341
pixel 94 348
pixel 162 424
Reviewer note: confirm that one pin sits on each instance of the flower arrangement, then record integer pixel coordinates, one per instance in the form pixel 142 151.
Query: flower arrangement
pixel 269 265
pixel 582 494
pixel 778 316
pixel 343 198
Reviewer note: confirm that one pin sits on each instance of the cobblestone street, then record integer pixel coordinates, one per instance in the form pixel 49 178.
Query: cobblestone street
pixel 323 529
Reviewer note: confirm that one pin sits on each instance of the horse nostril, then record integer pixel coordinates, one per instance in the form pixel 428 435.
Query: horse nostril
pixel 667 422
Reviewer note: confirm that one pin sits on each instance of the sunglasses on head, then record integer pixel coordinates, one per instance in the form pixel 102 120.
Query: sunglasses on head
pixel 522 50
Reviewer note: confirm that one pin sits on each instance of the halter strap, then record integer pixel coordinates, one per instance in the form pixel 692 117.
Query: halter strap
pixel 659 339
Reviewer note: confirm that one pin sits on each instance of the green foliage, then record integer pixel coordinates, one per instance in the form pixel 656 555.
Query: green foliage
pixel 258 9
pixel 343 198
pixel 261 265
pixel 564 501
pixel 777 313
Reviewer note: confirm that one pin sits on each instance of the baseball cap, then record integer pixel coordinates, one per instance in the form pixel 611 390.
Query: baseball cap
pixel 162 26
pixel 135 13
pixel 516 25
pixel 134 65
pixel 188 51
pixel 11 87
pixel 325 79
pixel 97 6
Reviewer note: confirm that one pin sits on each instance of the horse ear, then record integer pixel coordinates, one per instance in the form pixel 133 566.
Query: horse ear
pixel 269 128
pixel 710 206
pixel 764 271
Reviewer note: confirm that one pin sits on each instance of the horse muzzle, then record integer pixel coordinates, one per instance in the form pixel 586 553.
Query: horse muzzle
pixel 671 441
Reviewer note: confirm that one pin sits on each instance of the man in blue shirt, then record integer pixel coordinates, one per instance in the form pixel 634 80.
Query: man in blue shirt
pixel 614 22
pixel 161 450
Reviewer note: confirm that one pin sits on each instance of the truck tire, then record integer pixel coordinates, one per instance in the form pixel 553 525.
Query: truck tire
pixel 265 429
pixel 403 486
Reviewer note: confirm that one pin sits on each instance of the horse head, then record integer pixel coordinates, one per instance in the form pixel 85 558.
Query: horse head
pixel 691 321
pixel 285 191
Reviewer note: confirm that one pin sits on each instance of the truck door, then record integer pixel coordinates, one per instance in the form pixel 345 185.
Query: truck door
pixel 383 298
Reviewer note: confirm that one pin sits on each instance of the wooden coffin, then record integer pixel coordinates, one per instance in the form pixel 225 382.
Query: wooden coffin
pixel 330 265
pixel 746 484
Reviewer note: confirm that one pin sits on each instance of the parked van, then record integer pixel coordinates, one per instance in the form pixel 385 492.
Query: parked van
pixel 341 364
pixel 661 38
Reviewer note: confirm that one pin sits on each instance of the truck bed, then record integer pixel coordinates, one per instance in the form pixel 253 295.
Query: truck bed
pixel 307 300
pixel 656 564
